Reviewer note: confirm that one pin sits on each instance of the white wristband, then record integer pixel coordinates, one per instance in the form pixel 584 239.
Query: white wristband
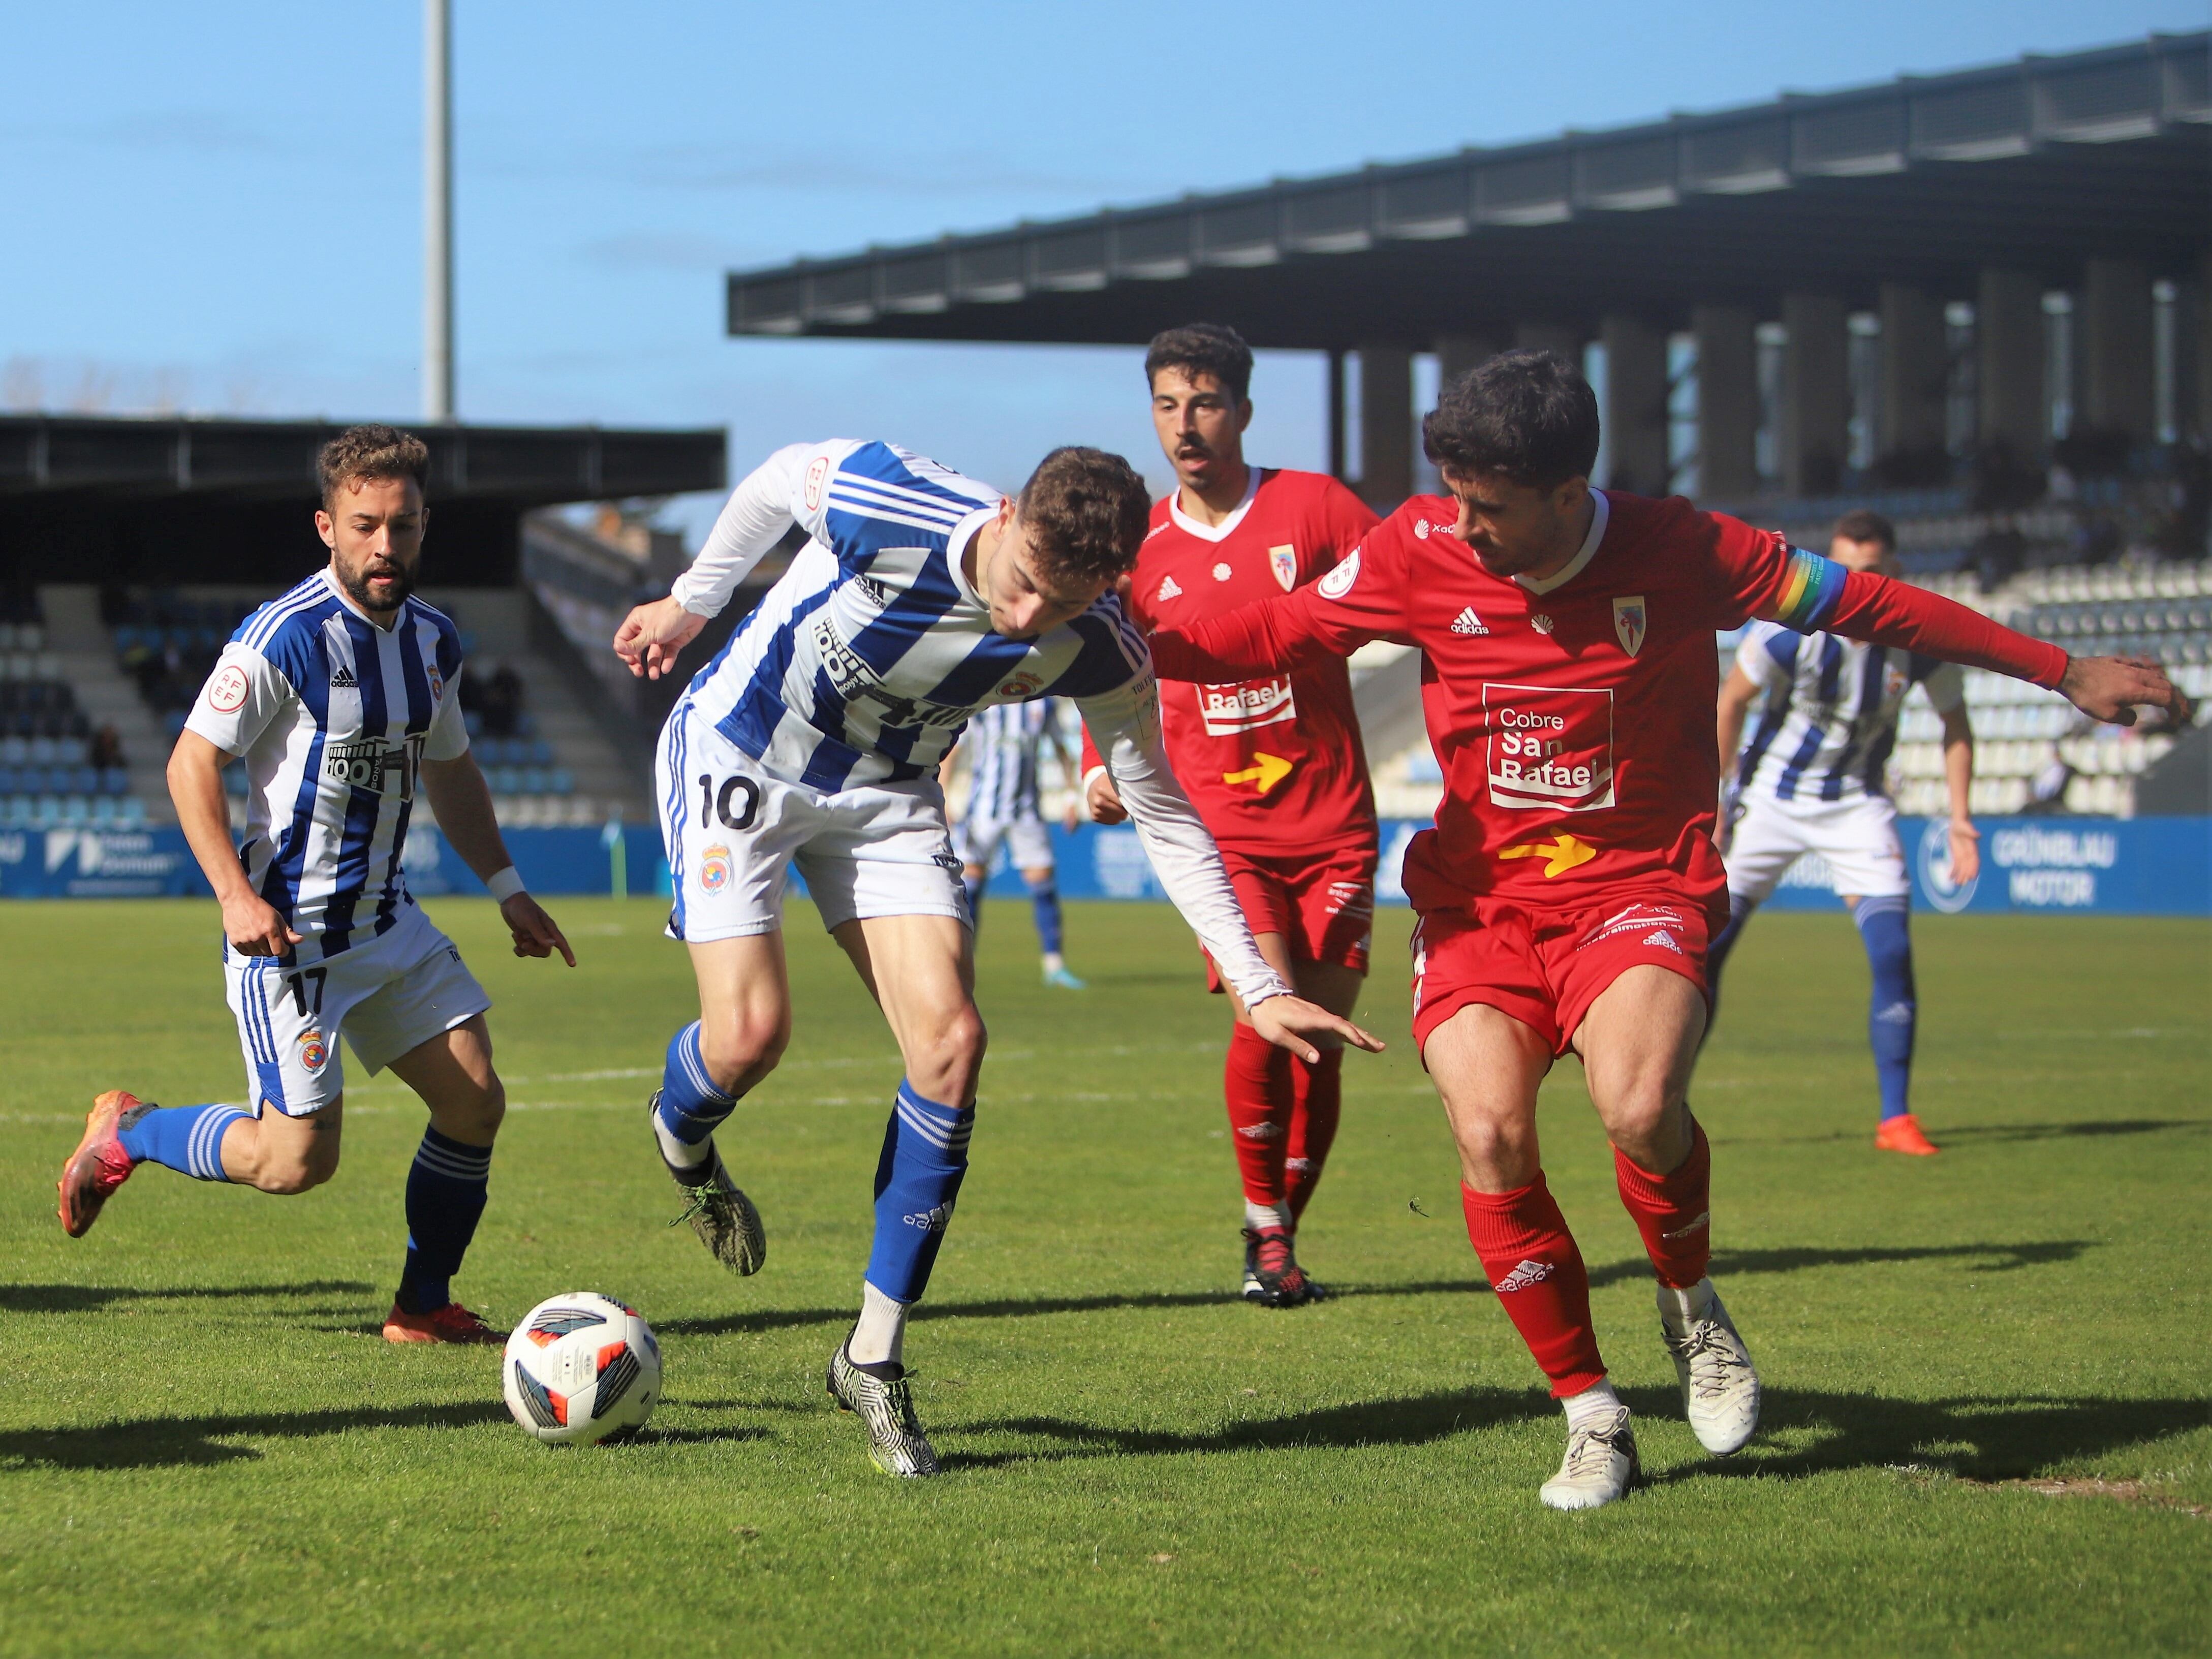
pixel 1095 772
pixel 504 885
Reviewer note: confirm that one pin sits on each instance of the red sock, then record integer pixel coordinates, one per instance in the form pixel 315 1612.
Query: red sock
pixel 1672 1211
pixel 1256 1084
pixel 1319 1090
pixel 1537 1271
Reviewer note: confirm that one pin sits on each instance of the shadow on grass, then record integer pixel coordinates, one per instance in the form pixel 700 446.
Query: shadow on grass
pixel 160 1442
pixel 1980 1258
pixel 1985 1438
pixel 2125 1126
pixel 85 1299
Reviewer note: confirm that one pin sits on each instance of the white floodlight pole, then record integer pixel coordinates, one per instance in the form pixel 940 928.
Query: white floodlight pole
pixel 437 211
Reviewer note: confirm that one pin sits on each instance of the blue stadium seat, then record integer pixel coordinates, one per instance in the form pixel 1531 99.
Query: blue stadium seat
pixel 115 781
pixel 561 781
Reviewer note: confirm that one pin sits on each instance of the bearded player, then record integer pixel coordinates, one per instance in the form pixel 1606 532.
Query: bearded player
pixel 343 696
pixel 1273 763
pixel 815 739
pixel 1567 891
pixel 1810 779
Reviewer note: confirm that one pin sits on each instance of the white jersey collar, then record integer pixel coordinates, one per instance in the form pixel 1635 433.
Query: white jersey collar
pixel 955 550
pixel 1215 532
pixel 1600 512
pixel 338 592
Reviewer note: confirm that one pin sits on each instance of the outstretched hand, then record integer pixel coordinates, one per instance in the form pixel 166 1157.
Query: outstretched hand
pixel 536 933
pixel 2110 689
pixel 652 635
pixel 1287 1021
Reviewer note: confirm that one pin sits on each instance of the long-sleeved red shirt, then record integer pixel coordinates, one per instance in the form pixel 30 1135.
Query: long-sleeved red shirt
pixel 1573 717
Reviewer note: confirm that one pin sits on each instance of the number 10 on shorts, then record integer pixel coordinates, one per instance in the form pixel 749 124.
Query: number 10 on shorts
pixel 734 803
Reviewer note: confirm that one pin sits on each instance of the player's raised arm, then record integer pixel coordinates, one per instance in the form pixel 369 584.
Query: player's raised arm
pixel 1126 724
pixel 1360 600
pixel 764 505
pixel 1809 592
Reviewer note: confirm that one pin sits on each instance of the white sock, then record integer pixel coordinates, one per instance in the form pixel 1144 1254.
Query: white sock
pixel 1682 1307
pixel 681 1154
pixel 1257 1216
pixel 1596 1400
pixel 881 1333
pixel 1053 961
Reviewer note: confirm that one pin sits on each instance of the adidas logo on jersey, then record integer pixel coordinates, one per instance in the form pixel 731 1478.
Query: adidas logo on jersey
pixel 1467 622
pixel 1168 589
pixel 1528 1273
pixel 1664 940
pixel 341 678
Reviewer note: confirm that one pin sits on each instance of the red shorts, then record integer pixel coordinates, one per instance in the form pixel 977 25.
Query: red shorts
pixel 1323 905
pixel 1546 968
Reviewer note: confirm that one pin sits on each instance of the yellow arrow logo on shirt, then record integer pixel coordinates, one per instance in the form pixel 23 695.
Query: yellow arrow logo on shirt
pixel 1271 770
pixel 1560 856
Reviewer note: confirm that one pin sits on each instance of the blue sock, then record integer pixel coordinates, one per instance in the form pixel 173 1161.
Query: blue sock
pixel 917 1178
pixel 1044 899
pixel 973 886
pixel 691 1104
pixel 445 1200
pixel 1717 952
pixel 1895 1012
pixel 186 1138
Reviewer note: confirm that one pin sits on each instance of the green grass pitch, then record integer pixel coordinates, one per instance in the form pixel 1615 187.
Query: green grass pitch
pixel 204 1448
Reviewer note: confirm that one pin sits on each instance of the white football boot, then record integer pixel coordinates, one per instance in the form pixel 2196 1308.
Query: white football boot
pixel 1720 1390
pixel 1601 1464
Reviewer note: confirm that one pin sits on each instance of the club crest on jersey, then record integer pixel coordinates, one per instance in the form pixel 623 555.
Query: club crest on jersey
pixel 437 684
pixel 1629 622
pixel 227 691
pixel 1283 562
pixel 816 470
pixel 714 869
pixel 1895 682
pixel 1168 589
pixel 313 1050
pixel 1339 581
pixel 1020 687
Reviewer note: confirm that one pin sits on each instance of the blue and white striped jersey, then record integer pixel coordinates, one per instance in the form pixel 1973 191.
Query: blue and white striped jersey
pixel 864 661
pixel 333 714
pixel 1002 755
pixel 1831 714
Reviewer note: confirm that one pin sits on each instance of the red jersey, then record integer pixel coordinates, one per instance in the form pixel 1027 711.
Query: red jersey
pixel 1573 717
pixel 1273 762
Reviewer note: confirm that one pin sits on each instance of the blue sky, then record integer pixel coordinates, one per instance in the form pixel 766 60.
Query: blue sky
pixel 217 207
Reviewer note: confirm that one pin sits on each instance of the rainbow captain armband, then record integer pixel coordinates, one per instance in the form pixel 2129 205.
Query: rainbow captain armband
pixel 1811 589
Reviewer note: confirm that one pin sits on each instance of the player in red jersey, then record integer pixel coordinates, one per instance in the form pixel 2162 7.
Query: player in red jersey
pixel 1273 762
pixel 1568 889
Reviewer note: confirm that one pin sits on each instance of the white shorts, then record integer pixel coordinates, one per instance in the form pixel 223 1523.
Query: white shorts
pixel 732 829
pixel 1027 843
pixel 385 996
pixel 1857 839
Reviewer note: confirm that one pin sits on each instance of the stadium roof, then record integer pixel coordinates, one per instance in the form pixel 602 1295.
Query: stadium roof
pixel 163 500
pixel 2034 166
pixel 527 466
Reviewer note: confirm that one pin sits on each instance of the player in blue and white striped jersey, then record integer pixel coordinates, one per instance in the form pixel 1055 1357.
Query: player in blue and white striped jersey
pixel 343 697
pixel 1810 778
pixel 1002 746
pixel 920 598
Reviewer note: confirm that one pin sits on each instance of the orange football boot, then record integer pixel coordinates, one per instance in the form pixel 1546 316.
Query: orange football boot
pixel 98 1166
pixel 1902 1134
pixel 451 1323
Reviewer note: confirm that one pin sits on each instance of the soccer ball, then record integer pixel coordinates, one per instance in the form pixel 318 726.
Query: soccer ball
pixel 582 1367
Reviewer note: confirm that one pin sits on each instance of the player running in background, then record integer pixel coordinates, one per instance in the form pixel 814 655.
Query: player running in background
pixel 816 737
pixel 1000 746
pixel 1811 780
pixel 1569 887
pixel 342 697
pixel 1273 764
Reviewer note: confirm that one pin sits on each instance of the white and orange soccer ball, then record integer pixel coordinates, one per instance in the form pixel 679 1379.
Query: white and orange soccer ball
pixel 582 1367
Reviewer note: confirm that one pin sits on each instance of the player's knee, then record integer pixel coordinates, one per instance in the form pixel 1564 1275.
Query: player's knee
pixel 289 1173
pixel 951 1056
pixel 483 1110
pixel 739 1052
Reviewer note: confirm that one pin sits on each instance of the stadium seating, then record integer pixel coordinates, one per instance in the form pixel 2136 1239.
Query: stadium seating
pixel 47 777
